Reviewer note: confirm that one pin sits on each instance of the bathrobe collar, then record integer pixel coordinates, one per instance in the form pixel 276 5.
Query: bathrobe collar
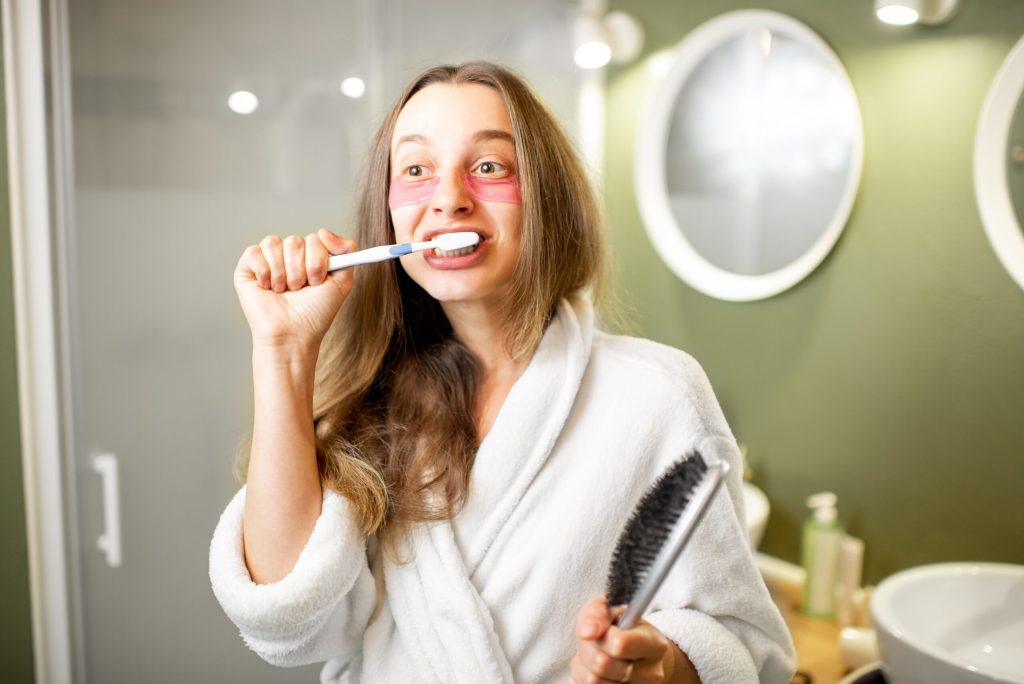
pixel 525 429
pixel 447 627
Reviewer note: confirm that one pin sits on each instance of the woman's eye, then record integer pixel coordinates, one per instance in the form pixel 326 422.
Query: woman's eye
pixel 490 168
pixel 416 171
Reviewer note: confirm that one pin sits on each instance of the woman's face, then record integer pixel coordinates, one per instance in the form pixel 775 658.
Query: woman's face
pixel 453 168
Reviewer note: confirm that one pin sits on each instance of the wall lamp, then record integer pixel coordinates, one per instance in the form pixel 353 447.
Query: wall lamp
pixel 614 37
pixel 903 12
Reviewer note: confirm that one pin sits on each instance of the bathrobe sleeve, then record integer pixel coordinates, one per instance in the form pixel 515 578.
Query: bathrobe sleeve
pixel 317 612
pixel 714 604
pixel 730 629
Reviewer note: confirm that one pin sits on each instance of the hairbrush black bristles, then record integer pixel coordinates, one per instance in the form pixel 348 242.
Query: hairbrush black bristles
pixel 649 526
pixel 657 528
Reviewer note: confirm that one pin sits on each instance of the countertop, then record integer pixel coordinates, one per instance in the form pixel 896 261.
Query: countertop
pixel 817 648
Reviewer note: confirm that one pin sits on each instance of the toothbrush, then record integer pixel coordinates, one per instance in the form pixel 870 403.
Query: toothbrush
pixel 657 531
pixel 446 243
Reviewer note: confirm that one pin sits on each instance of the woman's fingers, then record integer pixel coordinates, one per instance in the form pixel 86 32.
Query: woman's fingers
pixel 273 252
pixel 316 259
pixel 272 281
pixel 291 263
pixel 253 266
pixel 334 243
pixel 642 642
pixel 295 262
pixel 594 619
pixel 601 664
pixel 592 662
pixel 581 674
pixel 644 646
pixel 606 653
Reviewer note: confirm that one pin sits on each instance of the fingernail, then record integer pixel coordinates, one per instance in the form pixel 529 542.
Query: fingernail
pixel 590 628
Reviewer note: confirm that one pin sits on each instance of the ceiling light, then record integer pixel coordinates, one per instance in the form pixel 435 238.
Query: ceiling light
pixel 903 12
pixel 243 102
pixel 598 40
pixel 353 87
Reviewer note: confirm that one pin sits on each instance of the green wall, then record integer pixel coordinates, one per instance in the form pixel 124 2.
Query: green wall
pixel 15 616
pixel 893 374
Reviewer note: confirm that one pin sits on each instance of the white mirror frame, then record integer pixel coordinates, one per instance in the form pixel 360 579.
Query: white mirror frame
pixel 990 185
pixel 649 165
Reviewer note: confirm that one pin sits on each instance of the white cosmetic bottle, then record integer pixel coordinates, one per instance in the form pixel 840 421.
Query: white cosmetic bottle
pixel 822 536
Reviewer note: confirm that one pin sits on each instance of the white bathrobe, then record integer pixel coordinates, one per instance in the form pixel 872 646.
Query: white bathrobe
pixel 493 595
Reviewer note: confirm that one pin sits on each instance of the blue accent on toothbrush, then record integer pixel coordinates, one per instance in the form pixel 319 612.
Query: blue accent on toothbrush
pixel 399 250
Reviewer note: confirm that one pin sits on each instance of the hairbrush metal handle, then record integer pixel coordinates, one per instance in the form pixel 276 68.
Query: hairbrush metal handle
pixel 691 515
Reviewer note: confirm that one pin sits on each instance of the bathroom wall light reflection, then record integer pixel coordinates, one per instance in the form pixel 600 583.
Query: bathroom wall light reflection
pixel 353 87
pixel 243 102
pixel 764 39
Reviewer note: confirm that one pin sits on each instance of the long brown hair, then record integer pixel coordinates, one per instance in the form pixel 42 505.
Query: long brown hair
pixel 395 389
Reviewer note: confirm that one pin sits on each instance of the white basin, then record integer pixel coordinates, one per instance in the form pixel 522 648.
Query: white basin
pixel 955 623
pixel 755 503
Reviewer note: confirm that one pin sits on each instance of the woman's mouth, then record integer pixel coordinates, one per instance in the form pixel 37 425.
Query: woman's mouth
pixel 457 258
pixel 456 252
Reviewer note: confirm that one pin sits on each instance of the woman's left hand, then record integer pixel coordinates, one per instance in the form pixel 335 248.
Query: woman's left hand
pixel 605 653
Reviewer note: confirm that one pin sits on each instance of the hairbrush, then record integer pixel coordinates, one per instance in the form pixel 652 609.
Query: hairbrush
pixel 657 532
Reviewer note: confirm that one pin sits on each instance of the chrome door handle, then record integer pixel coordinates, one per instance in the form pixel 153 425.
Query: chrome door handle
pixel 110 541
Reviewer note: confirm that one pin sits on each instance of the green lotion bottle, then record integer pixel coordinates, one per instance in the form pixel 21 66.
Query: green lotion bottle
pixel 822 537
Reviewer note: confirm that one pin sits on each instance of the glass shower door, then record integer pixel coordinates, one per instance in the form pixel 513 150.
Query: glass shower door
pixel 169 185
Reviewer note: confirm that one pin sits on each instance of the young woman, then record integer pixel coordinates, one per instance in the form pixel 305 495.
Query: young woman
pixel 444 449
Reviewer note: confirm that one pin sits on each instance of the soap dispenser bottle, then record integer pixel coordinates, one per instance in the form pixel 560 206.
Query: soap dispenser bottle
pixel 822 537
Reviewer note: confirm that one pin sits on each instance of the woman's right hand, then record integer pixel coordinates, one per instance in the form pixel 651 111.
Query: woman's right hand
pixel 287 295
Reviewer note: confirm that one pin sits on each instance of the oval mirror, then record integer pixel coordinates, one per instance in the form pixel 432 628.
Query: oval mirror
pixel 749 156
pixel 999 164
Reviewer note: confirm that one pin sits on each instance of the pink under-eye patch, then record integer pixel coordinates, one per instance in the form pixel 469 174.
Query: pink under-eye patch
pixel 406 193
pixel 493 189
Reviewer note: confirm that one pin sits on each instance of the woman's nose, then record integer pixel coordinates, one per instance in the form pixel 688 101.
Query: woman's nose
pixel 452 197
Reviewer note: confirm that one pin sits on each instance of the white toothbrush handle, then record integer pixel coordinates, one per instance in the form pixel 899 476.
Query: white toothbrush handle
pixel 367 256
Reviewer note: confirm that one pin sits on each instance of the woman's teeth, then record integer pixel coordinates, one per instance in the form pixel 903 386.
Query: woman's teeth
pixel 455 252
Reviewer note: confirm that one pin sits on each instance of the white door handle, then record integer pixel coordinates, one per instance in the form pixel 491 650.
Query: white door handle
pixel 110 541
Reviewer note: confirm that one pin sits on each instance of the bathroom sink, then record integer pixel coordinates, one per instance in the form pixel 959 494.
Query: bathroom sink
pixel 956 623
pixel 756 505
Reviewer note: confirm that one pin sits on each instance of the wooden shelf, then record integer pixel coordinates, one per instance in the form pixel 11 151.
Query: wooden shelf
pixel 817 647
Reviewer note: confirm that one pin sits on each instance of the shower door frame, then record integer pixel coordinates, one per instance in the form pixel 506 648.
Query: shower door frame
pixel 39 166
